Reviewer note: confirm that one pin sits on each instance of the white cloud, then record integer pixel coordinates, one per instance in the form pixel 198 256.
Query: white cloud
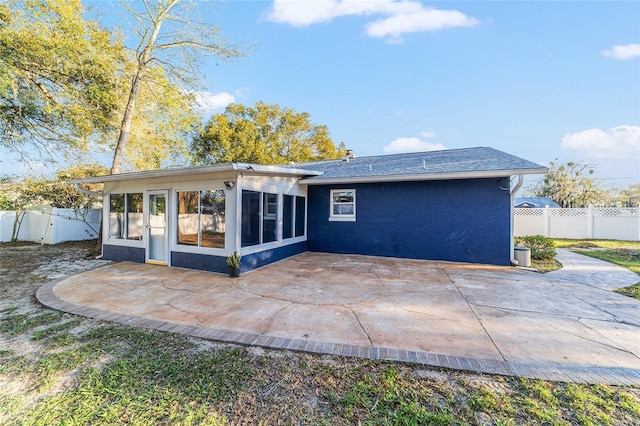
pixel 623 52
pixel 207 101
pixel 401 16
pixel 424 20
pixel 618 142
pixel 428 135
pixel 413 145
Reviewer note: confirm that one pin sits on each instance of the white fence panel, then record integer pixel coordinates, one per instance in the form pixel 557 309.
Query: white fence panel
pixel 529 222
pixel 38 227
pixel 53 227
pixel 69 225
pixel 6 225
pixel 605 223
pixel 568 223
pixel 616 223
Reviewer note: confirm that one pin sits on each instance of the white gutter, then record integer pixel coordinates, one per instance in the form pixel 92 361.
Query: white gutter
pixel 87 192
pixel 422 176
pixel 514 262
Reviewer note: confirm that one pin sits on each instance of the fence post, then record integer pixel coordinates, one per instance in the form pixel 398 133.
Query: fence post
pixel 590 222
pixel 547 219
pixel 638 211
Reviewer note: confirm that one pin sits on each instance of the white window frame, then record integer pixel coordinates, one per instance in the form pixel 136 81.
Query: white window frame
pixel 342 217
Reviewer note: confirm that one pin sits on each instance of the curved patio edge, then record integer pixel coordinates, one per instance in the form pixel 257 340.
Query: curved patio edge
pixel 556 373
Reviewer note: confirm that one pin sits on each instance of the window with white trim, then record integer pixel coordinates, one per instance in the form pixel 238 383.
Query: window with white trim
pixel 343 205
pixel 201 218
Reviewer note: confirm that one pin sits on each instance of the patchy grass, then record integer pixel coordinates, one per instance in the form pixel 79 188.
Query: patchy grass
pixel 623 253
pixel 545 265
pixel 631 291
pixel 608 244
pixel 624 257
pixel 60 369
pixel 17 324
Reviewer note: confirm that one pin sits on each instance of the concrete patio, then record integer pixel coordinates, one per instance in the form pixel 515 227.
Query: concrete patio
pixel 564 326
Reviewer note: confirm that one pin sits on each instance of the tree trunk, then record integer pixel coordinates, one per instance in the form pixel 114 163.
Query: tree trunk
pixel 17 223
pixel 143 60
pixel 123 137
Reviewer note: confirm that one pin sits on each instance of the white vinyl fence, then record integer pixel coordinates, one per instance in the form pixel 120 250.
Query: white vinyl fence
pixel 604 223
pixel 52 226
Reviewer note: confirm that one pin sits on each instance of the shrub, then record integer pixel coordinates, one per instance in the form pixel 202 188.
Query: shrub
pixel 542 248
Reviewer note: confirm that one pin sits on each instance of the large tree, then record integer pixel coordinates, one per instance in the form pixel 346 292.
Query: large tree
pixel 570 184
pixel 264 134
pixel 58 78
pixel 164 123
pixel 172 40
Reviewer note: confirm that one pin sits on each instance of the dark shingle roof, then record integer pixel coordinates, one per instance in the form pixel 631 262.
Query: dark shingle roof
pixel 446 164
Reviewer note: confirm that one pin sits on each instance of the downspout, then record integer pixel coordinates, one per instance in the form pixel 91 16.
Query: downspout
pixel 94 194
pixel 515 189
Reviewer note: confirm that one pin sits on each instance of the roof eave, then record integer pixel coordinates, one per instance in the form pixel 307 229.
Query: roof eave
pixel 424 176
pixel 216 168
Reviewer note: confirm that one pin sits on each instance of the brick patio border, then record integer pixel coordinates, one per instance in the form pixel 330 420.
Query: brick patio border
pixel 557 373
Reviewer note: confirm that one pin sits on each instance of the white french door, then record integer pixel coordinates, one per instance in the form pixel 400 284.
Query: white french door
pixel 157 202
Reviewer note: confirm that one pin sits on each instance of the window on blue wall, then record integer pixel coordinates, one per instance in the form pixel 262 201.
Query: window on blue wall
pixel 287 216
pixel 343 205
pixel 201 218
pixel 301 215
pixel 250 234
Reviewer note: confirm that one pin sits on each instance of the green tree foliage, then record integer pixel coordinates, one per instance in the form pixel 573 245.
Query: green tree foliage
pixel 628 197
pixel 164 123
pixel 571 184
pixel 171 41
pixel 58 79
pixel 264 134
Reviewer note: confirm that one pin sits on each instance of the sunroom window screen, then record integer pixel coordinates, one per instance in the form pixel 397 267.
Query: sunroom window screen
pixel 301 214
pixel 250 218
pixel 287 216
pixel 270 207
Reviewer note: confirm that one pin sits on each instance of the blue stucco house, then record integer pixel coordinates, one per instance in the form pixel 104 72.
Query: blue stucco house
pixel 415 205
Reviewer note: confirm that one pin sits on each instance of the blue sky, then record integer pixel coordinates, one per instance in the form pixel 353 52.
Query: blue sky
pixel 540 79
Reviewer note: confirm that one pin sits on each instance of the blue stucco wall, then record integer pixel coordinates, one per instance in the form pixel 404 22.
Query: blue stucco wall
pixel 123 253
pixel 256 260
pixel 250 261
pixel 203 262
pixel 460 220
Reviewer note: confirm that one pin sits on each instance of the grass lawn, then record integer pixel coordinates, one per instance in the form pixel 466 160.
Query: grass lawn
pixel 58 368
